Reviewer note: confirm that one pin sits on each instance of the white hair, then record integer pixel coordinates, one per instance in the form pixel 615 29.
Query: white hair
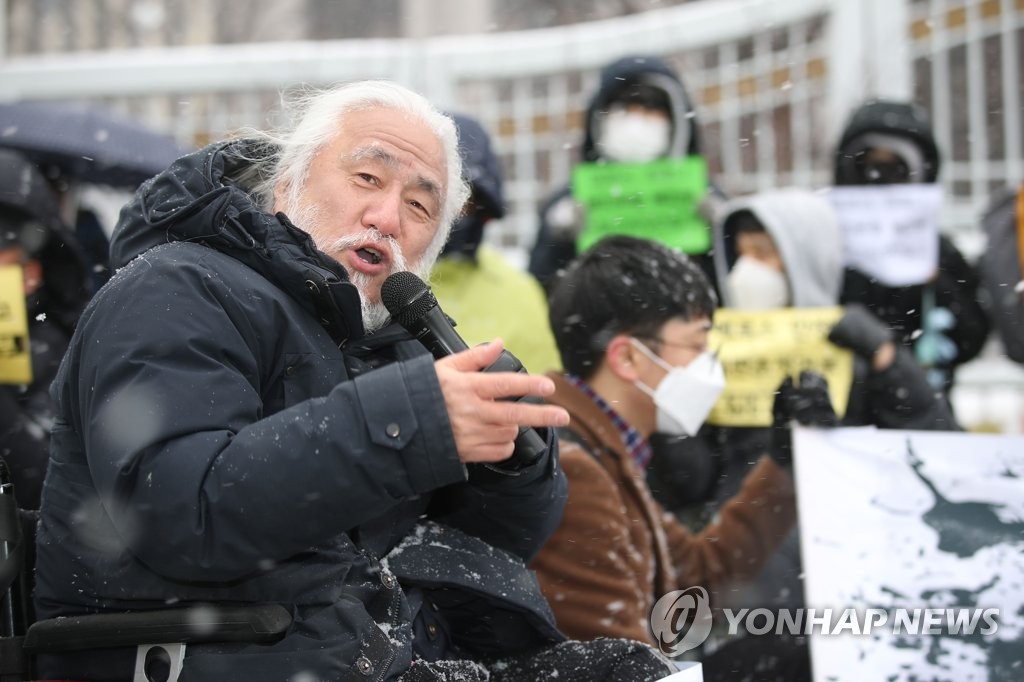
pixel 320 117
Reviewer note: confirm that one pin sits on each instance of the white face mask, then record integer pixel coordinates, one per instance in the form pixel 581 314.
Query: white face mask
pixel 756 286
pixel 629 137
pixel 685 395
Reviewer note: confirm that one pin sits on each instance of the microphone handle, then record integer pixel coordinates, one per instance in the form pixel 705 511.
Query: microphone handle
pixel 529 445
pixel 435 331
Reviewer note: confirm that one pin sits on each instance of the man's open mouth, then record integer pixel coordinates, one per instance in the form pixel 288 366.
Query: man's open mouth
pixel 369 255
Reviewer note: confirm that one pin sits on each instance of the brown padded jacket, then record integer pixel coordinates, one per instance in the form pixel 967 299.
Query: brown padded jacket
pixel 617 550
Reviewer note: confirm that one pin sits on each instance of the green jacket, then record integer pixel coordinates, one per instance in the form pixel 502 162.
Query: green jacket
pixel 490 298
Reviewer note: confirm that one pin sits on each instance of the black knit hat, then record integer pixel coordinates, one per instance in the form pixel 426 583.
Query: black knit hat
pixel 899 119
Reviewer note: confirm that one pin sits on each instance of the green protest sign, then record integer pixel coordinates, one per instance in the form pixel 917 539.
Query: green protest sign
pixel 657 200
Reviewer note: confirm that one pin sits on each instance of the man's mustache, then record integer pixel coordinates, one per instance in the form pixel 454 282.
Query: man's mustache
pixel 350 241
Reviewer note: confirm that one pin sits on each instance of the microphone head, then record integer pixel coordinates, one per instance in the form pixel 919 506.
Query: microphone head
pixel 406 297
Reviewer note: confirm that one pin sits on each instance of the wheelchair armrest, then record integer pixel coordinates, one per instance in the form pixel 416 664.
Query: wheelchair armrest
pixel 256 623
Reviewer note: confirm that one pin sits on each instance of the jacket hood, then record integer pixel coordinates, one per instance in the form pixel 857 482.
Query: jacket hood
pixel 643 70
pixel 899 119
pixel 805 229
pixel 481 168
pixel 201 198
pixel 30 218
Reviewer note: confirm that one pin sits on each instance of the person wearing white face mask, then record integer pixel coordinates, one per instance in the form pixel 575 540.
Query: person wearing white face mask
pixel 633 133
pixel 757 286
pixel 783 248
pixel 631 319
pixel 641 112
pixel 686 394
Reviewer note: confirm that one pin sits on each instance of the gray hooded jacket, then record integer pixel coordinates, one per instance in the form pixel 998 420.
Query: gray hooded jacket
pixel 807 236
pixel 806 233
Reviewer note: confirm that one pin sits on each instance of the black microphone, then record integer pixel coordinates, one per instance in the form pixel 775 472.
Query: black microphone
pixel 413 305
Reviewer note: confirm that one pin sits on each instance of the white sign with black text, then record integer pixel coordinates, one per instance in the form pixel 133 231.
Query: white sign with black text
pixel 890 232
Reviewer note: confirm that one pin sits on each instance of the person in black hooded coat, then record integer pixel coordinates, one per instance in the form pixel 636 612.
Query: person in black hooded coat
pixel 1002 267
pixel 237 422
pixel 888 142
pixel 33 236
pixel 640 82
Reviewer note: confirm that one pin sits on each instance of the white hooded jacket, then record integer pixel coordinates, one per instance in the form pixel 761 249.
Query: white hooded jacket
pixel 805 229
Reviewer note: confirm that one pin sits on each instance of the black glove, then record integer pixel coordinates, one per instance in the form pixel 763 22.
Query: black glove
pixel 860 331
pixel 808 403
pixel 900 397
pixel 683 470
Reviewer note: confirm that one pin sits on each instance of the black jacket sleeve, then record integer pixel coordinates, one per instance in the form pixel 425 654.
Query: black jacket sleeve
pixel 900 397
pixel 168 403
pixel 1000 272
pixel 955 288
pixel 515 511
pixel 24 445
pixel 26 415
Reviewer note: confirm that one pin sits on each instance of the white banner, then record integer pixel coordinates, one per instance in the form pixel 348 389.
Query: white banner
pixel 915 541
pixel 890 232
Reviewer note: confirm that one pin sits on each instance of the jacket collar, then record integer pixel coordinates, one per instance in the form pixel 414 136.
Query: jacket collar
pixel 587 420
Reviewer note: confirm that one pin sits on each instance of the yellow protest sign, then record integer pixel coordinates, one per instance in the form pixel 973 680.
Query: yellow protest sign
pixel 15 359
pixel 759 349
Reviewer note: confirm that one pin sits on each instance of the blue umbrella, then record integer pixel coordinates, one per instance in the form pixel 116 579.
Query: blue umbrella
pixel 86 142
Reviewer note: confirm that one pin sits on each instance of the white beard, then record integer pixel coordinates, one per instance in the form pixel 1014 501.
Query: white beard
pixel 308 217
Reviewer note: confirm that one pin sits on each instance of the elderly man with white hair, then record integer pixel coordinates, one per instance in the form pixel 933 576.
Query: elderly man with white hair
pixel 238 422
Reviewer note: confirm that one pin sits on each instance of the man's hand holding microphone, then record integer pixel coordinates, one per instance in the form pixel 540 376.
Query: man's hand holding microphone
pixel 486 390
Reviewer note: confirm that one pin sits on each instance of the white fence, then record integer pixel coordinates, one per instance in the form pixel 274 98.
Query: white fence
pixel 773 80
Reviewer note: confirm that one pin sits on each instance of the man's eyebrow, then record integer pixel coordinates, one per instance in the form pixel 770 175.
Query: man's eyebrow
pixel 375 153
pixel 429 186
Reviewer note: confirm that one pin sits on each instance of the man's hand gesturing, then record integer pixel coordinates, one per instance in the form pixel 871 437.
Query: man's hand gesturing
pixel 485 427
